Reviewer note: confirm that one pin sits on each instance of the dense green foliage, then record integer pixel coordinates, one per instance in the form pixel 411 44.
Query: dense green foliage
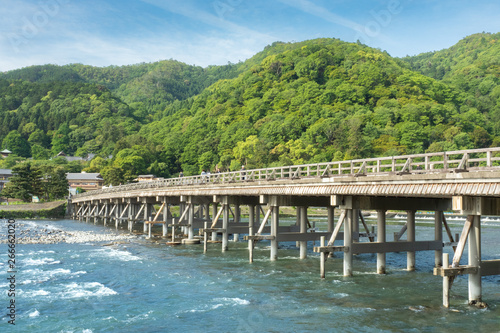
pixel 292 103
pixel 472 67
pixel 317 101
pixel 45 180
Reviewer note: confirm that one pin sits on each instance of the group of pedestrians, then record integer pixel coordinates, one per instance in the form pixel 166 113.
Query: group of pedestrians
pixel 207 173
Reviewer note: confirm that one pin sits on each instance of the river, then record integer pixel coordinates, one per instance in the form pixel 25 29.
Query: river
pixel 136 285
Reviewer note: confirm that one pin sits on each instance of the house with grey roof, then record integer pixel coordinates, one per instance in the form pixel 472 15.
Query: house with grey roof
pixel 86 181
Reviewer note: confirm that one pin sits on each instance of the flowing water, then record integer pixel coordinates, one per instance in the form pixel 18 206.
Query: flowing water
pixel 138 285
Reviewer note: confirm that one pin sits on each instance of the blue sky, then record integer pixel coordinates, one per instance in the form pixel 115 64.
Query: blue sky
pixel 214 32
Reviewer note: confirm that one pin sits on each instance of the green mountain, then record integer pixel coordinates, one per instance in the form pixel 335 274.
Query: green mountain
pixel 292 103
pixel 316 101
pixel 471 66
pixel 148 88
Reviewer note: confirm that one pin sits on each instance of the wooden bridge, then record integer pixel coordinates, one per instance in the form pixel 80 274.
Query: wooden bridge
pixel 467 182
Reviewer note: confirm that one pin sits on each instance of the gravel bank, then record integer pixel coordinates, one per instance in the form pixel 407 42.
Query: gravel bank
pixel 45 234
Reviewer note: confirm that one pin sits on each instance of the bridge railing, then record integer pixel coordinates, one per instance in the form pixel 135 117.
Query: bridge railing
pixel 450 161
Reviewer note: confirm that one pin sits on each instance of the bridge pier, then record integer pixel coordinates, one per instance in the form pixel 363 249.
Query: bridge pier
pixel 214 214
pixel 275 218
pixel 251 222
pixel 410 234
pixel 381 238
pixel 348 240
pixel 96 212
pixel 237 219
pixel 225 225
pixel 106 213
pixel 438 236
pixel 89 210
pixel 475 288
pixel 190 227
pixel 303 229
pixel 166 219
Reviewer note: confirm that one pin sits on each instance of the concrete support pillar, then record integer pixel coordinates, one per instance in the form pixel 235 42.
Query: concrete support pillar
pixel 410 232
pixel 251 220
pixel 475 288
pixel 182 207
pixel 207 213
pixel 355 225
pixel 297 223
pixel 96 213
pixel 438 236
pixel 348 229
pixel 106 213
pixel 237 219
pixel 116 220
pixel 322 258
pixel 331 225
pixel 166 220
pixel 214 214
pixel 130 222
pixel 303 230
pixel 173 230
pixel 147 214
pixel 130 212
pixel 274 232
pixel 191 221
pixel 225 225
pixel 88 213
pixel 446 281
pixel 381 238
pixel 331 218
pixel 118 211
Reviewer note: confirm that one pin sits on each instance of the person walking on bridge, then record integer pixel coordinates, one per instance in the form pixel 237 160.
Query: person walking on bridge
pixel 243 172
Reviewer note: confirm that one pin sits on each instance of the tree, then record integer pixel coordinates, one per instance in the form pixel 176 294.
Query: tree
pixel 60 140
pixel 40 153
pixel 55 183
pixel 130 163
pixel 40 138
pixel 16 144
pixel 97 164
pixel 26 181
pixel 113 175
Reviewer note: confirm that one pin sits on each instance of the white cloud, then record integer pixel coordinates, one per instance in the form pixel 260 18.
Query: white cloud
pixel 70 38
pixel 321 12
pixel 188 10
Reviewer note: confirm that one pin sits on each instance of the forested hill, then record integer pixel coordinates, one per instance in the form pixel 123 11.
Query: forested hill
pixel 291 103
pixel 317 101
pixel 472 66
pixel 147 87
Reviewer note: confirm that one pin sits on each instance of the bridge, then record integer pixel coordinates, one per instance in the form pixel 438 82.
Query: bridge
pixel 466 182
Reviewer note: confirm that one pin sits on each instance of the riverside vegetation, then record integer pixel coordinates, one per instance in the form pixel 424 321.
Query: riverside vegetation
pixel 292 103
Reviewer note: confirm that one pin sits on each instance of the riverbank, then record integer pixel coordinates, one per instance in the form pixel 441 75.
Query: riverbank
pixel 42 232
pixel 55 209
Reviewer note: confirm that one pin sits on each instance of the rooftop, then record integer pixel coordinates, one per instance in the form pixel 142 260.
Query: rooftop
pixel 83 176
pixel 5 172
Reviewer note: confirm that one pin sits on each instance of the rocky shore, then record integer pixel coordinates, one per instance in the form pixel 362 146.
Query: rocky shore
pixel 45 234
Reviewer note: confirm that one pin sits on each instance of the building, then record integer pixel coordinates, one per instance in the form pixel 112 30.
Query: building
pixel 5 153
pixel 146 178
pixel 62 154
pixel 5 174
pixel 86 181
